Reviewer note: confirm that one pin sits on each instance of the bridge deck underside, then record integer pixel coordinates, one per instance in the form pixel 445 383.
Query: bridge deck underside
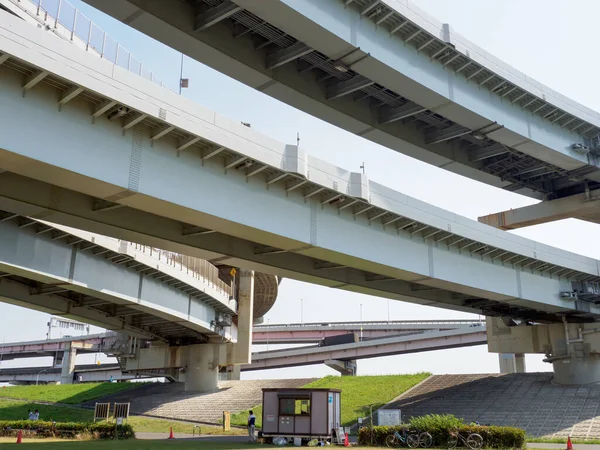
pixel 231 161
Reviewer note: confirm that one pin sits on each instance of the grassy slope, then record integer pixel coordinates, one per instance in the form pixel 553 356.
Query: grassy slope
pixel 71 394
pixel 17 410
pixel 357 394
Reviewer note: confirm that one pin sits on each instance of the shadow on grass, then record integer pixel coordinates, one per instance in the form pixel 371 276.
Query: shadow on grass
pixel 72 394
pixel 16 410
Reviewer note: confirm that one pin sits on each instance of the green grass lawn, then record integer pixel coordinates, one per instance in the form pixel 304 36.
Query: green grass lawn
pixel 357 394
pixel 18 410
pixel 72 394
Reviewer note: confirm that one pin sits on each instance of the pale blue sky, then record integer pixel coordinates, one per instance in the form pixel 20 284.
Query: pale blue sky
pixel 546 39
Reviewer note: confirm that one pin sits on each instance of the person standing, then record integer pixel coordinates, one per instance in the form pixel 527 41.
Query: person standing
pixel 251 426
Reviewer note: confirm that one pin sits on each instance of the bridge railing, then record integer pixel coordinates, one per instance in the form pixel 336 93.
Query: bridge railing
pixel 70 23
pixel 195 267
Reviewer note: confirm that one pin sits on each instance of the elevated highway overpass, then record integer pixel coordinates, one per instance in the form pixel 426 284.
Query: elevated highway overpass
pixel 308 333
pixel 274 334
pixel 379 339
pixel 272 207
pixel 152 157
pixel 387 71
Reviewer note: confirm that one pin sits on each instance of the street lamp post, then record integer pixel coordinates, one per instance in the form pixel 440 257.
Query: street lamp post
pixel 37 378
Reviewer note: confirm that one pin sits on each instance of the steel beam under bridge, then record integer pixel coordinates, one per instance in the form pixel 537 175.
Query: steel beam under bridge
pixel 315 228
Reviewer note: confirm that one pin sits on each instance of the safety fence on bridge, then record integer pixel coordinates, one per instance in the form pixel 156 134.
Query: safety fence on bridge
pixel 195 267
pixel 67 21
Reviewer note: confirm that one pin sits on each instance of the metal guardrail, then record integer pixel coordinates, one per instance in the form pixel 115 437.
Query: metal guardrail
pixel 68 21
pixel 378 322
pixel 195 267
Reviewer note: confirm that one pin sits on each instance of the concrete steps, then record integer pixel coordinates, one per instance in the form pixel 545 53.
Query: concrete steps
pixel 172 402
pixel 529 401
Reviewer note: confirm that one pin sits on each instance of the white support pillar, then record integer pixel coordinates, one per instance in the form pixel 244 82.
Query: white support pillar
pixel 202 371
pixel 68 364
pixel 241 352
pixel 512 362
pixel 233 372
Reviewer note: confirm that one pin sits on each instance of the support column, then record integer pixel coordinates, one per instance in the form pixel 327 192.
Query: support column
pixel 512 362
pixel 68 364
pixel 242 350
pixel 233 372
pixel 577 371
pixel 202 372
pixel 343 367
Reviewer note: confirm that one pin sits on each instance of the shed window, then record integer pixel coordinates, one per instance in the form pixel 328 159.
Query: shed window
pixel 294 407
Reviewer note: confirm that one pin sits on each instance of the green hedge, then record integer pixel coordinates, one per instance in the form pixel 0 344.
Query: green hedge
pixel 30 428
pixel 438 426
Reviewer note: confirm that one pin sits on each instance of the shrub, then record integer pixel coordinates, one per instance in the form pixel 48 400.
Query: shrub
pixel 438 426
pixel 64 429
pixel 498 437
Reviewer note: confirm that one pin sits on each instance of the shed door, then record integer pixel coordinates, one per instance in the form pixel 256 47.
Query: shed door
pixel 337 417
pixel 330 409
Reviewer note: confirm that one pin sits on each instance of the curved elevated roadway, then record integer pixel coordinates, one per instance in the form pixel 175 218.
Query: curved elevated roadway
pixel 166 172
pixel 387 71
pixel 109 283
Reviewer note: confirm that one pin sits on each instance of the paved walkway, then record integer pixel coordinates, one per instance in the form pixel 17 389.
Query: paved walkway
pixel 207 438
pixel 563 446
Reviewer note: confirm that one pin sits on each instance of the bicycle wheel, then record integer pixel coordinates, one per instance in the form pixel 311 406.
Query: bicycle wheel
pixel 425 440
pixel 412 440
pixel 392 441
pixel 452 441
pixel 475 441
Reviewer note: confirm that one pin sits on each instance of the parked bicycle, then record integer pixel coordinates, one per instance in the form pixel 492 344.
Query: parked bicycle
pixel 411 440
pixel 473 440
pixel 396 439
pixel 425 439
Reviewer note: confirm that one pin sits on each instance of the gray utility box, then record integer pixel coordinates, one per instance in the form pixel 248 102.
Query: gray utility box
pixel 306 413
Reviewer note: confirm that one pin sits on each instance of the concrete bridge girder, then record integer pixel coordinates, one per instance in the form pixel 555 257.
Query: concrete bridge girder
pixel 241 241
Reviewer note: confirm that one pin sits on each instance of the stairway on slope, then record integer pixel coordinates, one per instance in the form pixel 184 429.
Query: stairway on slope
pixel 527 400
pixel 171 401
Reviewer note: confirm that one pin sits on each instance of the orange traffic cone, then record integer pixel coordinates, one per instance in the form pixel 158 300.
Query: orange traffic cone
pixel 171 435
pixel 346 441
pixel 20 437
pixel 569 444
